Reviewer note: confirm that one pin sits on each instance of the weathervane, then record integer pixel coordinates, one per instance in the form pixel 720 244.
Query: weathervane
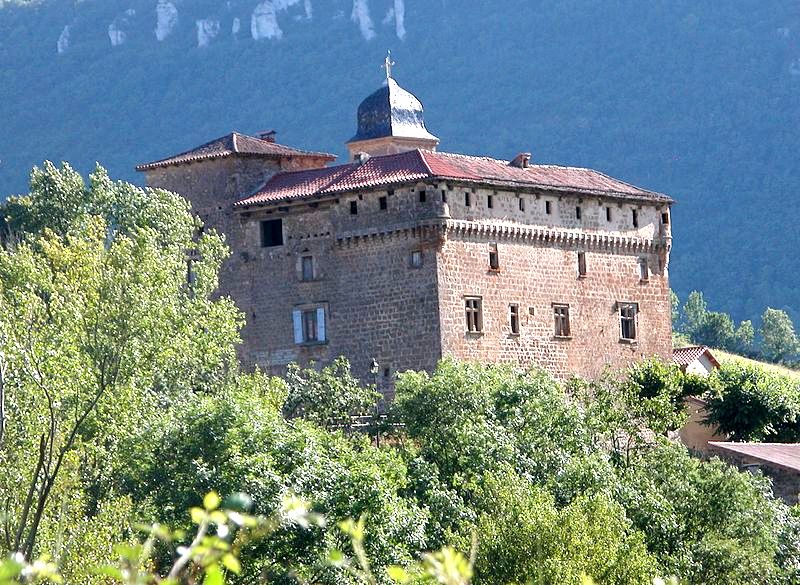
pixel 387 64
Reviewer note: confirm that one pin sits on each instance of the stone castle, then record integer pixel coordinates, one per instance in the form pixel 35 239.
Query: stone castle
pixel 406 255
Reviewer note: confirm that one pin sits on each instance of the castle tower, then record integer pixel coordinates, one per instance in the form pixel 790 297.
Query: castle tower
pixel 390 121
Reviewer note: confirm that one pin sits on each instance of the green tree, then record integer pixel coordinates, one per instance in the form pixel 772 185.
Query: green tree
pixel 779 341
pixel 754 404
pixel 100 330
pixel 328 397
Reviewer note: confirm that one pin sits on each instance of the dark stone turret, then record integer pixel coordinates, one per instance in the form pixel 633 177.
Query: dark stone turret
pixel 391 120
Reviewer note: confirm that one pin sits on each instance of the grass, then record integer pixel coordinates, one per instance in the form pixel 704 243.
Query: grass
pixel 726 357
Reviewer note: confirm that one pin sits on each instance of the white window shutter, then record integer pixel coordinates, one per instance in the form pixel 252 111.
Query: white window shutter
pixel 297 318
pixel 320 324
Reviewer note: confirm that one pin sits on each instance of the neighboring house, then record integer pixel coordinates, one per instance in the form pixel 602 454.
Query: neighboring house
pixel 779 461
pixel 695 359
pixel 405 254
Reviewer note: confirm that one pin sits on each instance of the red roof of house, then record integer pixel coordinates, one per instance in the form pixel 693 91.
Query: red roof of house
pixel 230 144
pixel 683 356
pixel 782 455
pixel 417 165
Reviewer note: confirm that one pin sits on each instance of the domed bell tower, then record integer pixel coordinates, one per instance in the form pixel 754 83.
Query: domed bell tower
pixel 391 120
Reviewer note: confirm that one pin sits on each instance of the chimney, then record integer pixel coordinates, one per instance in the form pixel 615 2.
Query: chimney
pixel 268 135
pixel 522 160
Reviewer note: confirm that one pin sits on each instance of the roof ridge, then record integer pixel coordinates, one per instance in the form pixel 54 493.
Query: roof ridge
pixel 421 154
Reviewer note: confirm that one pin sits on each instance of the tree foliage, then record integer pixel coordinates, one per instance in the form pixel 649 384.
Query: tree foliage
pixel 100 330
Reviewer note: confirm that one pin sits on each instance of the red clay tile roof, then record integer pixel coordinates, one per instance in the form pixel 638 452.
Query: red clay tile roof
pixel 783 455
pixel 417 165
pixel 233 143
pixel 683 356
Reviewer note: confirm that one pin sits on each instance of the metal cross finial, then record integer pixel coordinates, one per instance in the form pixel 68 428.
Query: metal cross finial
pixel 387 64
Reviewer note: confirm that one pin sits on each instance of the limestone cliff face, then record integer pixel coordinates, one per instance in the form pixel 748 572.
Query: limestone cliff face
pixel 160 20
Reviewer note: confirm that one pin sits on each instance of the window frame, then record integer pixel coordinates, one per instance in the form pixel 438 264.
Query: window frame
pixel 383 203
pixel 266 235
pixel 582 271
pixel 307 276
pixel 473 313
pixel 514 319
pixel 562 328
pixel 494 257
pixel 310 315
pixel 412 255
pixel 631 320
pixel 644 269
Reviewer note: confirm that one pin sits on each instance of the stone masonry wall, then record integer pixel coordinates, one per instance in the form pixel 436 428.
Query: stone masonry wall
pixel 379 307
pixel 539 268
pixel 534 276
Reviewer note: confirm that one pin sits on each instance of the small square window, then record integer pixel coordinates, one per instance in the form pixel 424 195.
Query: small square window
pixel 513 318
pixel 415 259
pixel 423 196
pixel 635 218
pixel 354 208
pixel 474 313
pixel 490 201
pixel 494 257
pixel 561 320
pixel 548 207
pixel 578 212
pixel 608 214
pixel 271 233
pixel 627 321
pixel 307 268
pixel 581 264
pixel 383 203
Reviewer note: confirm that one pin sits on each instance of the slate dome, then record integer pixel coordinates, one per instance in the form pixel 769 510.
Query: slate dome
pixel 391 112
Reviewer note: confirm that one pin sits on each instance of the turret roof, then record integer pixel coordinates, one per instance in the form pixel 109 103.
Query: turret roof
pixel 391 111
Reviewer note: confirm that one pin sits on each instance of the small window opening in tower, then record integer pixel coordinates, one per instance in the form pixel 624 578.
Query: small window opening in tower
pixel 490 201
pixel 271 233
pixel 548 208
pixel 635 217
pixel 521 204
pixel 578 212
pixel 494 257
pixel 513 318
pixel 644 270
pixel 383 203
pixel 467 199
pixel 354 208
pixel 665 218
pixel 581 264
pixel 608 214
pixel 444 196
pixel 423 196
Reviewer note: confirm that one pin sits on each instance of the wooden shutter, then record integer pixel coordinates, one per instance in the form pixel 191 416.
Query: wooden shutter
pixel 320 324
pixel 297 318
